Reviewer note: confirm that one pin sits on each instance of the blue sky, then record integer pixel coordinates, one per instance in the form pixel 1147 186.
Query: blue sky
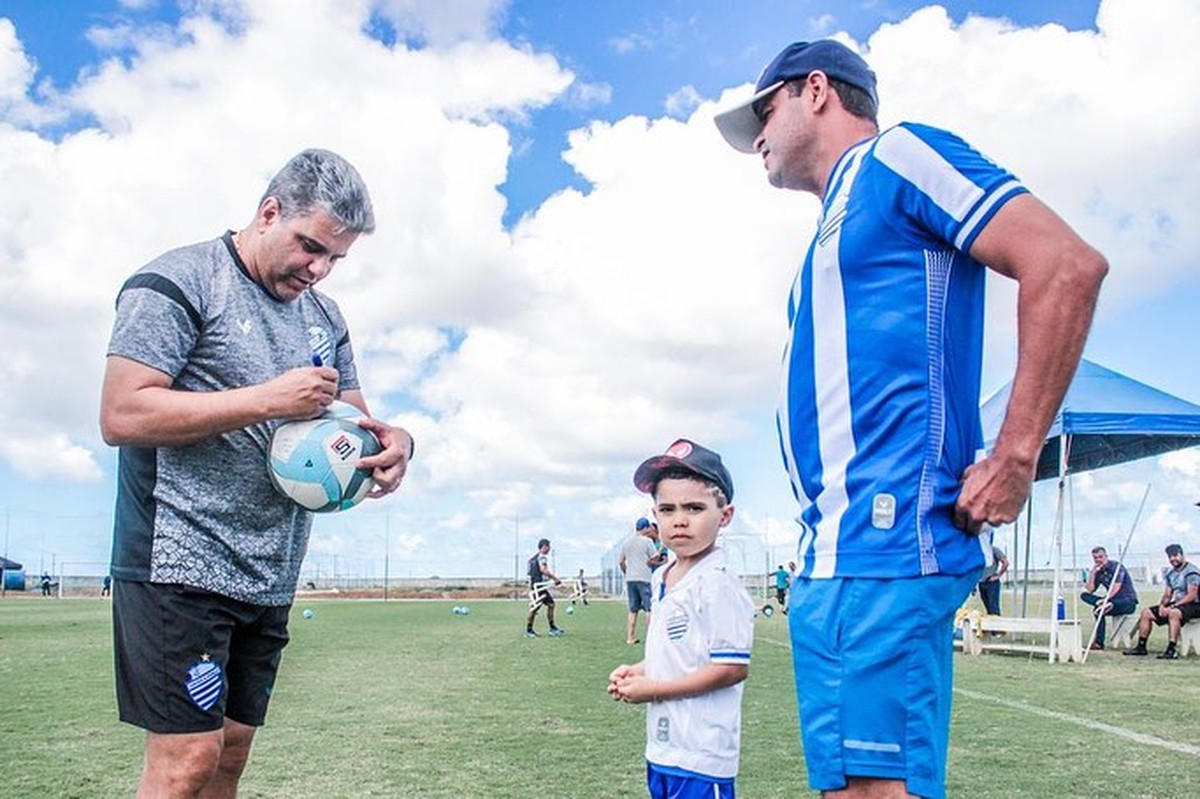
pixel 571 269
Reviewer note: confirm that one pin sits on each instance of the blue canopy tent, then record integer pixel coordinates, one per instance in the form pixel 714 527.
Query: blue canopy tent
pixel 1106 418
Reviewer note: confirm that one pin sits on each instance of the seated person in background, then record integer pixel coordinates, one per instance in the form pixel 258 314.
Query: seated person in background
pixel 1178 606
pixel 1120 598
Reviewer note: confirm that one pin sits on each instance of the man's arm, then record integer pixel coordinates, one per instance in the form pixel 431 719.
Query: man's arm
pixel 1058 276
pixel 1003 567
pixel 139 407
pixel 1193 591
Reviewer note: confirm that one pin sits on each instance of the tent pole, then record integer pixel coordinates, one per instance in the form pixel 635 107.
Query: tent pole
pixel 1028 532
pixel 1063 447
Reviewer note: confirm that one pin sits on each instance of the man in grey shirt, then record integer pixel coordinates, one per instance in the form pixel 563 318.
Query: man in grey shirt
pixel 215 344
pixel 639 557
pixel 1179 604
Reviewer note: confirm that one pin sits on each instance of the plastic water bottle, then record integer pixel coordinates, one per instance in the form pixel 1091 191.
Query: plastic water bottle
pixel 1062 608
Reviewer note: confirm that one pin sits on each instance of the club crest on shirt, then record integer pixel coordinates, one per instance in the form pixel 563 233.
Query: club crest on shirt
pixel 321 344
pixel 205 682
pixel 677 625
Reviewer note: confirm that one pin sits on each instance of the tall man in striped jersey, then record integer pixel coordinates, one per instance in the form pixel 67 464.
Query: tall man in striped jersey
pixel 879 406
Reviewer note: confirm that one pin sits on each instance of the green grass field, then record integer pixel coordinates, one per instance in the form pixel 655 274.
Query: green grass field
pixel 405 699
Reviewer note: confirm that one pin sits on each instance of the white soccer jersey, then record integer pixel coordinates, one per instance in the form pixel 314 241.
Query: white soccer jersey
pixel 879 398
pixel 706 618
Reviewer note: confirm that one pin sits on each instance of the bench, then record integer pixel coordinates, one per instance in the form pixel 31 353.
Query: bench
pixel 1123 631
pixel 1189 638
pixel 989 633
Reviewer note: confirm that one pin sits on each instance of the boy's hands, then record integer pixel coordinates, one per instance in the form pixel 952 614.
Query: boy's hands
pixel 629 684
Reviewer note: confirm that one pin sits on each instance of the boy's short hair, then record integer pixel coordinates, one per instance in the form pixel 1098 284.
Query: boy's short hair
pixel 545 542
pixel 1098 550
pixel 683 473
pixel 1174 549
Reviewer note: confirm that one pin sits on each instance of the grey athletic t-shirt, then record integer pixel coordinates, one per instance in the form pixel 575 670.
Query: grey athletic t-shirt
pixel 206 515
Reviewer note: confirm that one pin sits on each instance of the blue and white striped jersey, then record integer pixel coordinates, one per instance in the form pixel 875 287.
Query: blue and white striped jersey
pixel 879 397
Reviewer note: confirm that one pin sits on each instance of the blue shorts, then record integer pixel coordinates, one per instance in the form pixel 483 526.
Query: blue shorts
pixel 639 596
pixel 669 783
pixel 873 664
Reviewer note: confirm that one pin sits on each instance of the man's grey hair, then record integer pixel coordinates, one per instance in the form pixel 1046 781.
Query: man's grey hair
pixel 320 180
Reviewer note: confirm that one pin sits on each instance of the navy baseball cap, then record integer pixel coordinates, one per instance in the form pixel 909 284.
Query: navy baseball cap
pixel 642 523
pixel 741 124
pixel 686 455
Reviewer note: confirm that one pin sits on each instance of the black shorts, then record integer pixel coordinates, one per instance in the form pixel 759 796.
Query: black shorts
pixel 543 597
pixel 186 659
pixel 1186 612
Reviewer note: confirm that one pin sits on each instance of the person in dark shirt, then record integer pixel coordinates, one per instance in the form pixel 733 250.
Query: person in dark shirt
pixel 1120 597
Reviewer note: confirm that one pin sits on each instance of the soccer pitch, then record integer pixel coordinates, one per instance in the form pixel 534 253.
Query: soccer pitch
pixel 407 699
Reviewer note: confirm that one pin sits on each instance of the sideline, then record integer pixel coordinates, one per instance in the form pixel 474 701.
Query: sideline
pixel 1013 704
pixel 1142 738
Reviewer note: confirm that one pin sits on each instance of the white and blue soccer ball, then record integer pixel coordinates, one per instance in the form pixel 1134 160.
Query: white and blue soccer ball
pixel 308 613
pixel 466 611
pixel 456 610
pixel 312 462
pixel 570 610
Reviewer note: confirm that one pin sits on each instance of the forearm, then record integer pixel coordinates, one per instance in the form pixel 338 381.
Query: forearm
pixel 702 681
pixel 1054 312
pixel 155 416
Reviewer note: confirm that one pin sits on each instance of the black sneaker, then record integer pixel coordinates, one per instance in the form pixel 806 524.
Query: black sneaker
pixel 1170 653
pixel 530 634
pixel 1137 651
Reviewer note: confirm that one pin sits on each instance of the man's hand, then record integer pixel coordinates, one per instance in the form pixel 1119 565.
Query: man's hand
pixel 301 393
pixel 389 466
pixel 993 491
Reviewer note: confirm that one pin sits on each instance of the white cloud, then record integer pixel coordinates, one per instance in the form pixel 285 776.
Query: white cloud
pixel 444 21
pixel 683 102
pixel 624 45
pixel 584 96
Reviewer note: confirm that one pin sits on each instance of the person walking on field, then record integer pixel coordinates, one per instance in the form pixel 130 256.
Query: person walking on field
pixel 214 345
pixel 879 407
pixel 539 573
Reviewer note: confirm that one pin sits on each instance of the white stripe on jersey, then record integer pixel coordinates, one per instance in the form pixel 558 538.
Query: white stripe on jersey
pixel 998 194
pixel 921 165
pixel 832 380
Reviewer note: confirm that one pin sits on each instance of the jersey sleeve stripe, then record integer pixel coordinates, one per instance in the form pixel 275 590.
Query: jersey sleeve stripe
pixel 165 287
pixel 922 166
pixel 985 211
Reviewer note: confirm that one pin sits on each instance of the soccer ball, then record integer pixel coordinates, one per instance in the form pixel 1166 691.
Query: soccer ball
pixel 456 610
pixel 570 610
pixel 312 462
pixel 466 611
pixel 308 614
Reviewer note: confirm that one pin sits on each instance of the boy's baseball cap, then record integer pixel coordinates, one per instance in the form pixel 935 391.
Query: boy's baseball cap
pixel 642 523
pixel 741 124
pixel 687 455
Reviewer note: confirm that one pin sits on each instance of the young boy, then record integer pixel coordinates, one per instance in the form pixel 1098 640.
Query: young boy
pixel 701 630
